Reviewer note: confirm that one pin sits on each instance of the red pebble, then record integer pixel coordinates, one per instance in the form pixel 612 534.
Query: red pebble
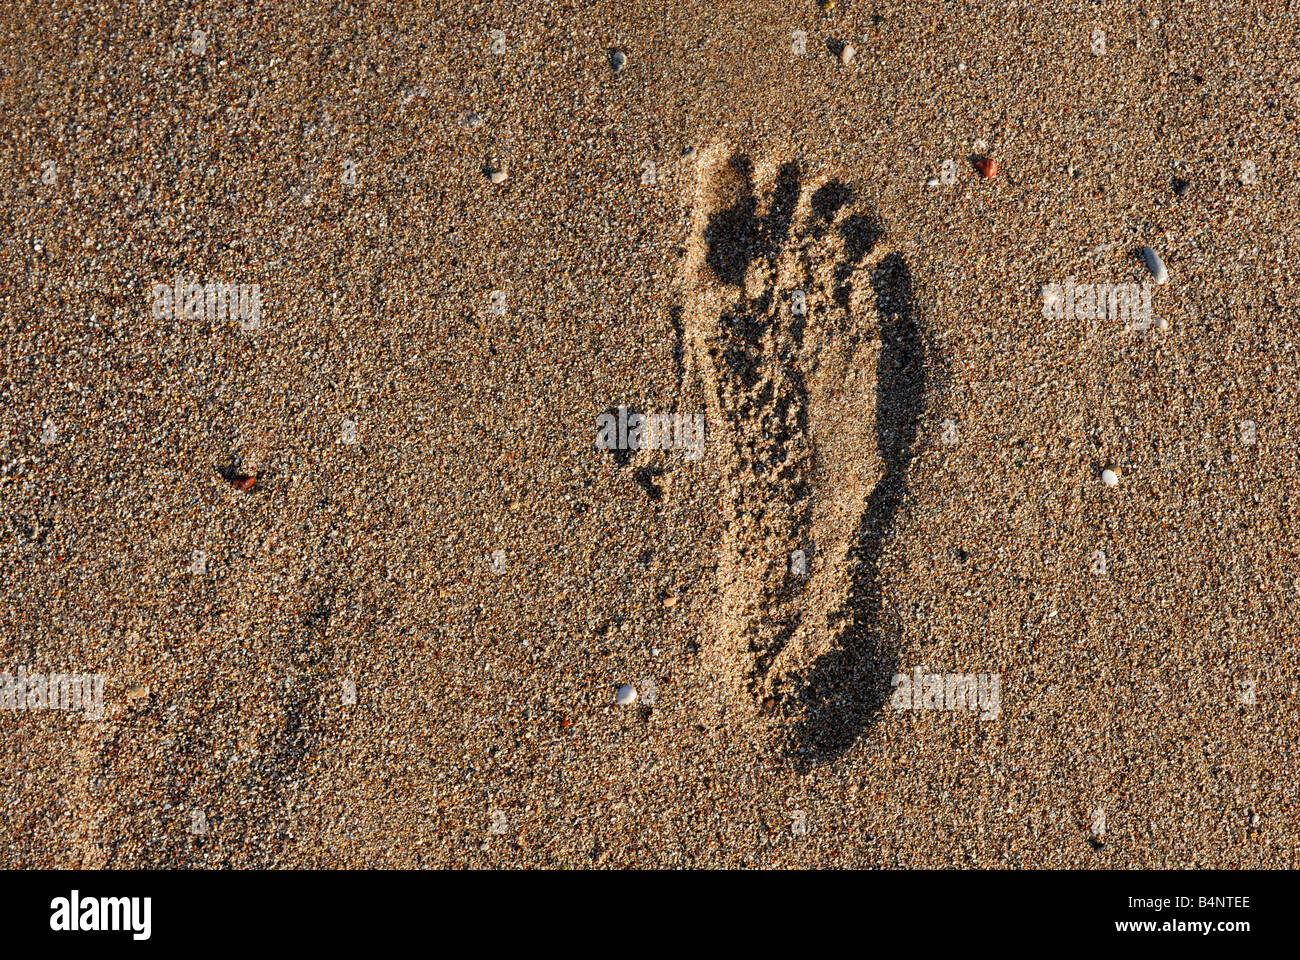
pixel 988 167
pixel 243 482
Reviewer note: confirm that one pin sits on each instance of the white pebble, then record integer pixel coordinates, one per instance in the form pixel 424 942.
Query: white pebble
pixel 847 53
pixel 1110 478
pixel 932 182
pixel 626 695
pixel 1155 265
pixel 499 175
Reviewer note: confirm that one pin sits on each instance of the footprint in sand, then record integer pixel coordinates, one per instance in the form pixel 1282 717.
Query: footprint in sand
pixel 799 326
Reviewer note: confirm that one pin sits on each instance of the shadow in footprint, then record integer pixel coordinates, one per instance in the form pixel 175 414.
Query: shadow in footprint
pixel 846 688
pixel 841 693
pixel 737 236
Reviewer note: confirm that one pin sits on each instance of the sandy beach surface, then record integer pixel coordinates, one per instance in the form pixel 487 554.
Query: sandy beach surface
pixel 362 583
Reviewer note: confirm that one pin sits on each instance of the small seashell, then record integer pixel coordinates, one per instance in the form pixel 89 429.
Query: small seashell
pixel 626 695
pixel 932 182
pixel 671 602
pixel 1155 265
pixel 499 174
pixel 1110 477
pixel 847 53
pixel 987 167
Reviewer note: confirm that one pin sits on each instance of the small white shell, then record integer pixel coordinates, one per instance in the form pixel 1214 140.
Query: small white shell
pixel 847 53
pixel 1155 265
pixel 499 175
pixel 626 695
pixel 1110 478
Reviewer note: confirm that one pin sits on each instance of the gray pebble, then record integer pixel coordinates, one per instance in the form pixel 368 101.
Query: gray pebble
pixel 1155 265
